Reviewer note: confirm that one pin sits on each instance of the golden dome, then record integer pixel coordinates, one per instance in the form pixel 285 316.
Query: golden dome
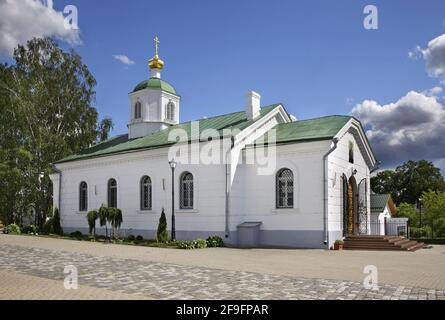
pixel 155 62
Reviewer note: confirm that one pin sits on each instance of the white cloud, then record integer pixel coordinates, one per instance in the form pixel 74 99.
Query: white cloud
pixel 412 128
pixel 416 53
pixel 22 20
pixel 433 91
pixel 124 59
pixel 434 56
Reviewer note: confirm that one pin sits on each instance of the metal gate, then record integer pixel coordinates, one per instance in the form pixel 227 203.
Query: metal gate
pixel 362 207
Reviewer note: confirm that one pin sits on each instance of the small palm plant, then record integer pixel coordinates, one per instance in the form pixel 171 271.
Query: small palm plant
pixel 92 217
pixel 104 217
pixel 115 218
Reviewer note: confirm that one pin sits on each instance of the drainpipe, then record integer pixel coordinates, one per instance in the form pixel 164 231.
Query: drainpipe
pixel 227 202
pixel 59 201
pixel 325 192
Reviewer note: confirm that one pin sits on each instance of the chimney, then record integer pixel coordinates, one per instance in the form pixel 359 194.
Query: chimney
pixel 252 105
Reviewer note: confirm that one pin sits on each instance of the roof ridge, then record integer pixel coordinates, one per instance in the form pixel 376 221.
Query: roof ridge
pixel 230 113
pixel 317 118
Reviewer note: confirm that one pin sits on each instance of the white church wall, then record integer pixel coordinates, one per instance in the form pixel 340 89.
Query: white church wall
pixel 128 169
pixel 338 163
pixel 253 197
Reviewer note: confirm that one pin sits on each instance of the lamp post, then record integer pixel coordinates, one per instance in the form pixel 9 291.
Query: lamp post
pixel 420 212
pixel 172 164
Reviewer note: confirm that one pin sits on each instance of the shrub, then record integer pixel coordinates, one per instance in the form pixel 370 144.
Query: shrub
pixel 131 238
pixel 215 241
pixel 91 218
pixel 192 244
pixel 139 238
pixel 31 229
pixel 76 234
pixel 48 226
pixel 200 243
pixel 185 244
pixel 12 229
pixel 162 234
pixel 57 228
pixel 339 242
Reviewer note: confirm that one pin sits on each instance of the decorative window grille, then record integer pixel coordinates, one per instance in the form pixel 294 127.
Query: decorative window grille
pixel 112 193
pixel 83 196
pixel 146 193
pixel 363 207
pixel 186 191
pixel 344 210
pixel 285 189
pixel 170 111
pixel 138 110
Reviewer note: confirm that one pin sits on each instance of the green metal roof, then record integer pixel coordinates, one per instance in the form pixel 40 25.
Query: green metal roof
pixel 379 202
pixel 121 144
pixel 323 128
pixel 156 84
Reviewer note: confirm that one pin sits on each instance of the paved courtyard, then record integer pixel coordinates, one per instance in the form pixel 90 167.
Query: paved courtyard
pixel 33 268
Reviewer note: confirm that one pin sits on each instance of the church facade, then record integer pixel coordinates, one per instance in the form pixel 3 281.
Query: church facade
pixel 257 177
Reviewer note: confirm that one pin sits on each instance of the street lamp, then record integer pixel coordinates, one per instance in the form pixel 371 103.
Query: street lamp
pixel 420 212
pixel 173 164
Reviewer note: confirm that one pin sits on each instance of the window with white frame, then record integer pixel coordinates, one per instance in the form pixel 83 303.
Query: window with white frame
pixel 112 193
pixel 170 111
pixel 186 191
pixel 146 191
pixel 138 110
pixel 351 152
pixel 83 196
pixel 285 189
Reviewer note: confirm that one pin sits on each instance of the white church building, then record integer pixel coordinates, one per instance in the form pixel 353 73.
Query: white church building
pixel 309 188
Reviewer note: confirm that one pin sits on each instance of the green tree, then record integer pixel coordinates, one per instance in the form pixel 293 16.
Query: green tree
pixel 162 233
pixel 406 210
pixel 91 218
pixel 385 182
pixel 57 227
pixel 408 181
pixel 433 203
pixel 46 113
pixel 105 126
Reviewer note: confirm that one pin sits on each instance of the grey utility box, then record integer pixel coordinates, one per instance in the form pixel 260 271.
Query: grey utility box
pixel 249 234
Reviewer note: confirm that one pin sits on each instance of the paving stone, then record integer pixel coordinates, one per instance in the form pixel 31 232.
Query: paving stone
pixel 170 281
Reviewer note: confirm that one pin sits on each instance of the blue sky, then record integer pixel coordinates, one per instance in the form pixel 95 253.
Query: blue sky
pixel 313 56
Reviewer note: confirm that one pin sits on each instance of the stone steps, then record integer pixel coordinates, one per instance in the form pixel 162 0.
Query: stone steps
pixel 390 243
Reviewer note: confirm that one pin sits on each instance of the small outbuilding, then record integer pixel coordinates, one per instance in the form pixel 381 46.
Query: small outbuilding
pixel 382 209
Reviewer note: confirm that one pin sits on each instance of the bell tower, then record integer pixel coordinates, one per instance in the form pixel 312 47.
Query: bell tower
pixel 154 103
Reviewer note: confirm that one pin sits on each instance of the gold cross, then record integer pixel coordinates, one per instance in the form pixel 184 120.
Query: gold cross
pixel 157 42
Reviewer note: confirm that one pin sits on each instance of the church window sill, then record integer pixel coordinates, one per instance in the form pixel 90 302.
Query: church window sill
pixel 145 211
pixel 285 210
pixel 187 210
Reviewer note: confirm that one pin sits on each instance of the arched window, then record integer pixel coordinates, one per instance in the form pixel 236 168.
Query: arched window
pixel 285 189
pixel 137 110
pixel 170 111
pixel 145 193
pixel 186 191
pixel 83 196
pixel 112 193
pixel 351 152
